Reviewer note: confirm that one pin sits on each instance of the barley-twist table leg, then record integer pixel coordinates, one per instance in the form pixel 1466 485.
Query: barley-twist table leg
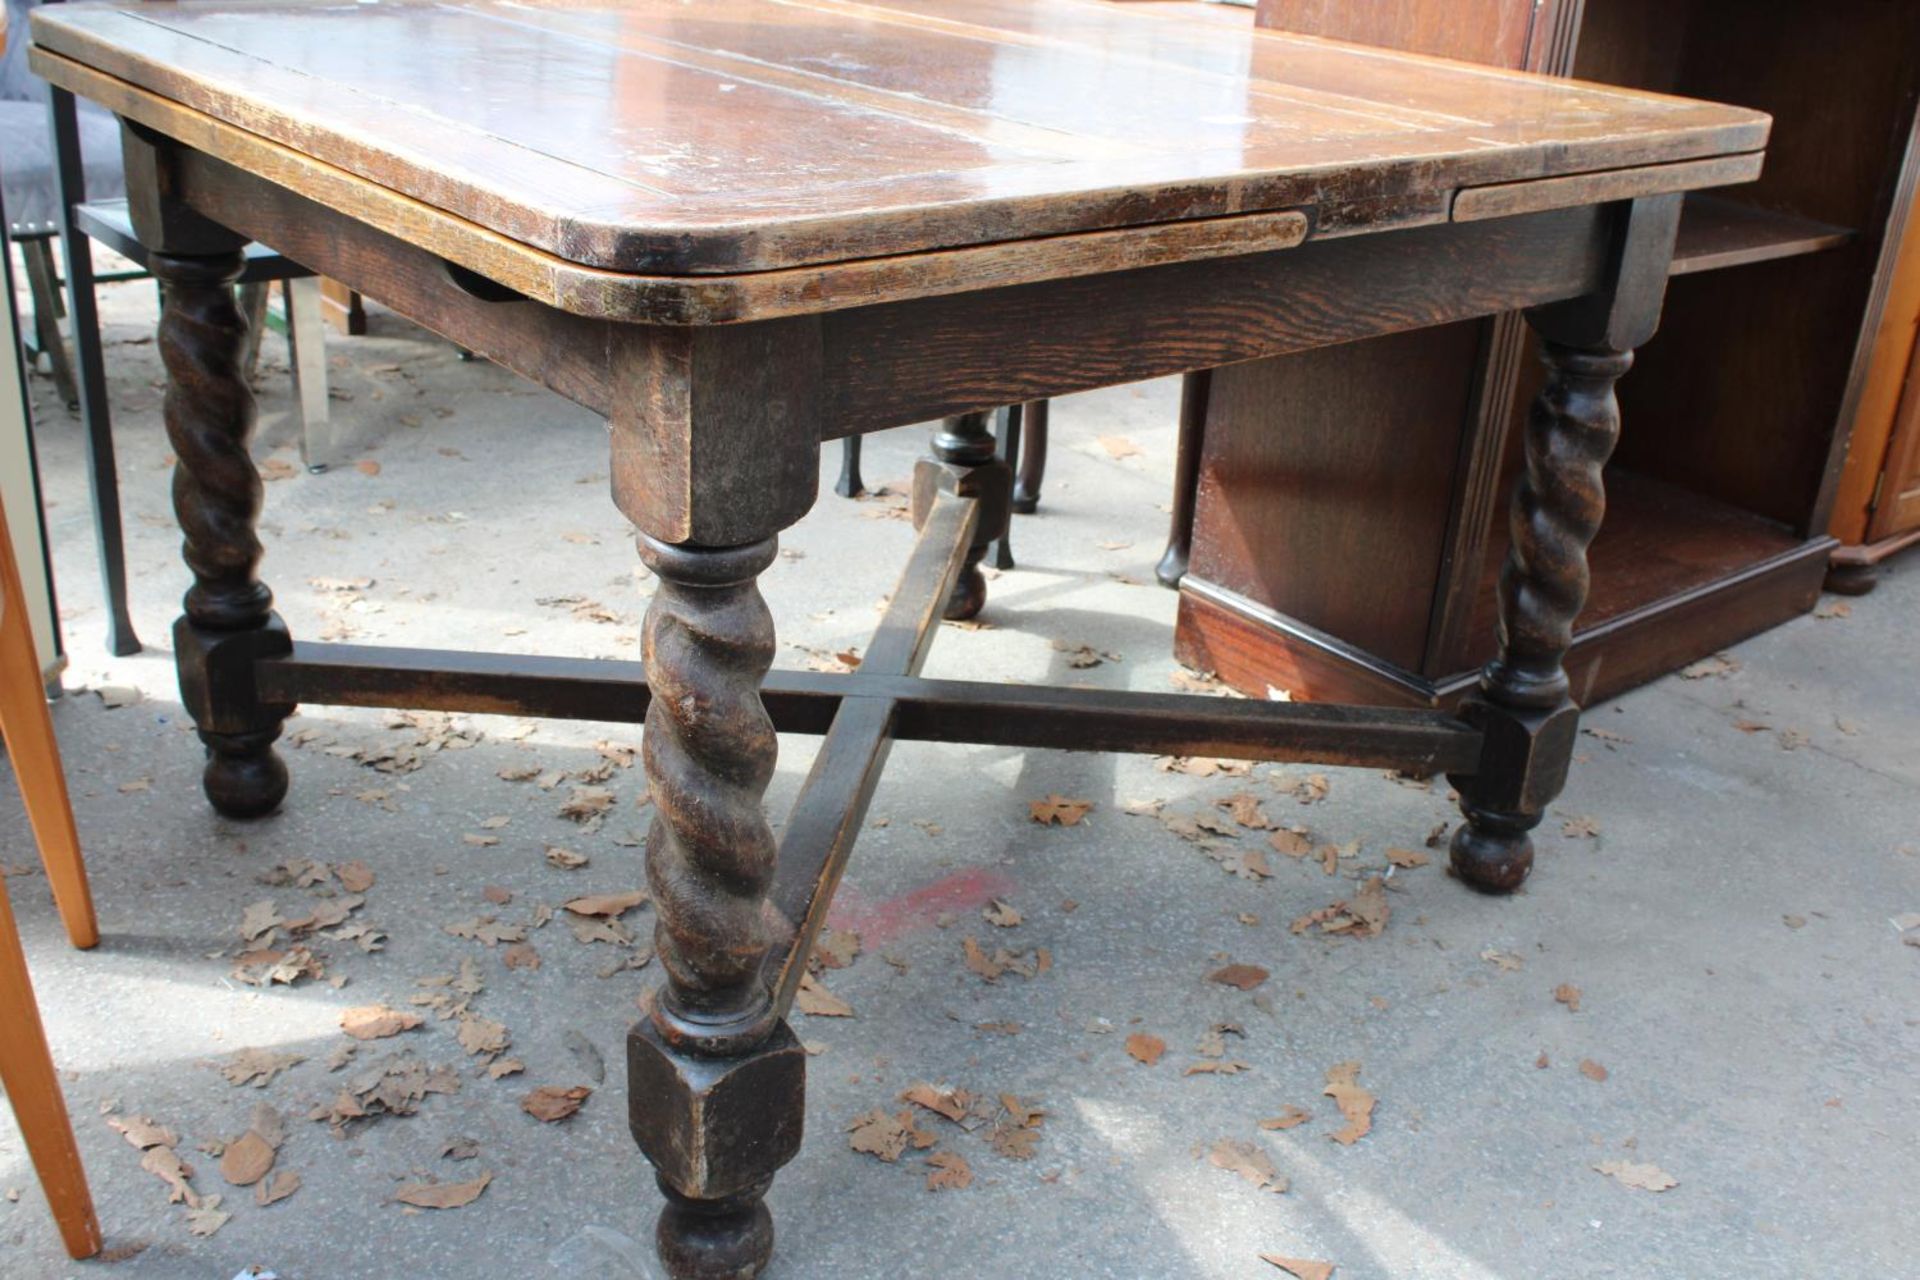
pixel 229 619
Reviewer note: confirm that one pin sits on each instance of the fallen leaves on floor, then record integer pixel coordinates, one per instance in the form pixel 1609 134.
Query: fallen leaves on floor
pixel 1016 1134
pixel 1083 657
pixel 1203 766
pixel 249 1157
pixel 1641 1177
pixel 1250 1161
pixel 1356 1103
pixel 1145 1049
pixel 355 876
pixel 611 905
pixel 1719 665
pixel 257 1067
pixel 1300 1268
pixel 816 1001
pixel 1058 810
pixel 1242 977
pixel 955 1104
pixel 1407 859
pixel 377 1022
pixel 1569 995
pixel 1001 915
pixel 1244 808
pixel 282 1184
pixel 394 1086
pixel 143 1132
pixel 1028 964
pixel 1505 961
pixel 1119 447
pixel 1592 1070
pixel 1364 915
pixel 443 1195
pixel 886 1135
pixel 1290 1116
pixel 949 1171
pixel 1580 828
pixel 552 1102
pixel 1294 842
pixel 488 929
pixel 835 948
pixel 1308 790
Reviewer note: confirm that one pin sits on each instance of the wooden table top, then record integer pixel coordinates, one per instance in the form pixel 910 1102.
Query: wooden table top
pixel 677 137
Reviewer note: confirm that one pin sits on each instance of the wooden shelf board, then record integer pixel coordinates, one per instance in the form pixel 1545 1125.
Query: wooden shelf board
pixel 1658 542
pixel 1716 233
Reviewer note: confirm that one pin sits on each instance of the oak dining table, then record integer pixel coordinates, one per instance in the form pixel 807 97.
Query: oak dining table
pixel 740 228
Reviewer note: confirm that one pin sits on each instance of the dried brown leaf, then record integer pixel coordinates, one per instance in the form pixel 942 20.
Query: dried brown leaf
pixel 1058 810
pixel 355 877
pixel 1641 1177
pixel 552 1102
pixel 1355 1103
pixel 815 1000
pixel 246 1160
pixel 1289 1117
pixel 610 905
pixel 1145 1049
pixel 377 1022
pixel 1244 977
pixel 950 1172
pixel 277 1188
pixel 1250 1161
pixel 443 1195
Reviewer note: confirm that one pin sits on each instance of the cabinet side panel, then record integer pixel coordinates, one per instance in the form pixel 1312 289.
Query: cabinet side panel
pixel 1326 480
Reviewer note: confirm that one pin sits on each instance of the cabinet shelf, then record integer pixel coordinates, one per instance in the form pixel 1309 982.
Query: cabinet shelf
pixel 1716 233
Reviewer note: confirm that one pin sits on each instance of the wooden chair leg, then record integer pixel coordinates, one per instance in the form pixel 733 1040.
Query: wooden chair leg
pixel 38 253
pixel 26 1070
pixel 36 758
pixel 307 353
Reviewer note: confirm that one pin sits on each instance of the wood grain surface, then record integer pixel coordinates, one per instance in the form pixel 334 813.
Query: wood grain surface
pixel 752 135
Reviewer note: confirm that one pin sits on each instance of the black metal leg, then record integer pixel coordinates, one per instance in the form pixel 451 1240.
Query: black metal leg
pixel 1033 466
pixel 102 473
pixel 1007 428
pixel 850 485
pixel 1194 390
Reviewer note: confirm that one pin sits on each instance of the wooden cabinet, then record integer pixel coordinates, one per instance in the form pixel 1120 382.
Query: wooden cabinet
pixel 1877 510
pixel 1736 413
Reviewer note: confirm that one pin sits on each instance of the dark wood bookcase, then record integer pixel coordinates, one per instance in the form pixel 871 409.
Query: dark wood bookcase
pixel 1735 414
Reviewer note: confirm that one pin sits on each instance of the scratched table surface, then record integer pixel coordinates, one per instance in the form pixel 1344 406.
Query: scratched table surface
pixel 683 137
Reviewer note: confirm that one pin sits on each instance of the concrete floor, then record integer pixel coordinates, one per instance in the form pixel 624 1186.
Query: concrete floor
pixel 1731 927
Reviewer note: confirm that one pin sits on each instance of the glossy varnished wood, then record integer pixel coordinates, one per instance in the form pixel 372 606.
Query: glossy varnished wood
pixel 617 136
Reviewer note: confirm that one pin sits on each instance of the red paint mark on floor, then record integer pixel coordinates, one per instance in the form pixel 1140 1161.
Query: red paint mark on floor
pixel 879 923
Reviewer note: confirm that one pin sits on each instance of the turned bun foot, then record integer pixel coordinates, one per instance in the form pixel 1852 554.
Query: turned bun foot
pixel 247 784
pixel 1490 860
pixel 969 596
pixel 1851 579
pixel 728 1239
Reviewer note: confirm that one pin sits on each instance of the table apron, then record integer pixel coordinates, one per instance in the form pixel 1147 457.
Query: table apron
pixel 895 363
